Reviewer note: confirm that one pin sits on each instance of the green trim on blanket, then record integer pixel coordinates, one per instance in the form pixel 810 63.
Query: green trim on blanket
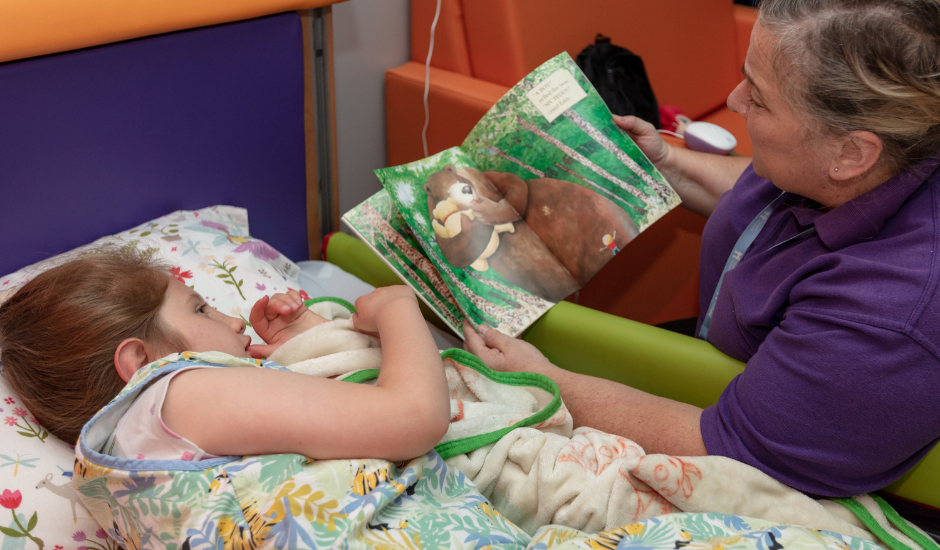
pixel 467 359
pixel 340 301
pixel 869 521
pixel 872 524
pixel 902 525
pixel 359 376
pixel 467 444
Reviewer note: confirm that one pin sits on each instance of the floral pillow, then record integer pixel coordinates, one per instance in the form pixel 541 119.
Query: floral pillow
pixel 209 250
pixel 38 506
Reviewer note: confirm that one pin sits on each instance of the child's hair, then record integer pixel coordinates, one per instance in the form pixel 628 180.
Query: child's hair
pixel 59 333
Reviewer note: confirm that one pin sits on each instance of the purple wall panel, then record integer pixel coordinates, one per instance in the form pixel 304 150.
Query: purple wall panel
pixel 99 140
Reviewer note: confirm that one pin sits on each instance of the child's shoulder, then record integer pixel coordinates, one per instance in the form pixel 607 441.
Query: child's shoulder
pixel 188 359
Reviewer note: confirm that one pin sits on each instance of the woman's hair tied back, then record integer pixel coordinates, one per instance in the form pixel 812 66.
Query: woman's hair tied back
pixel 862 65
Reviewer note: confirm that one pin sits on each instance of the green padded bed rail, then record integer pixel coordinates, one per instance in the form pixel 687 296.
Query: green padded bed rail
pixel 642 356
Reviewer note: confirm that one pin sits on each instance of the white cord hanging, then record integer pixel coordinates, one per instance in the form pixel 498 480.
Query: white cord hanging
pixel 427 81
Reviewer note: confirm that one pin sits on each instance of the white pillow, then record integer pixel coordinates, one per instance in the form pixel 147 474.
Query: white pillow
pixel 209 250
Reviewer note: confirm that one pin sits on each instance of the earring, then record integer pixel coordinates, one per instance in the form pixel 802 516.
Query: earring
pixel 836 170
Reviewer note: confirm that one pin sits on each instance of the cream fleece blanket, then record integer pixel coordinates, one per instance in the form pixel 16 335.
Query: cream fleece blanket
pixel 481 408
pixel 512 436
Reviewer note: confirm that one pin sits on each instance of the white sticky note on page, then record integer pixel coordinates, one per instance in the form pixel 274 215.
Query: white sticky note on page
pixel 555 94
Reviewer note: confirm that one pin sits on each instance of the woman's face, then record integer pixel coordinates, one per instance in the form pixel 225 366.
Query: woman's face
pixel 784 152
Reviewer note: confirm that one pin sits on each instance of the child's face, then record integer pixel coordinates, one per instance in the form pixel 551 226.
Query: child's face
pixel 202 327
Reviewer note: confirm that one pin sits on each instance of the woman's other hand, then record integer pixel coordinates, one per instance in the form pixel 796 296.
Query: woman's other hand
pixel 279 318
pixel 647 139
pixel 502 353
pixel 699 178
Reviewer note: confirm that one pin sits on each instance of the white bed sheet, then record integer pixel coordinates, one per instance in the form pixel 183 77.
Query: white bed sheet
pixel 321 279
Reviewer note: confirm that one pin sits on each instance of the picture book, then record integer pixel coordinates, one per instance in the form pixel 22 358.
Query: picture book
pixel 542 193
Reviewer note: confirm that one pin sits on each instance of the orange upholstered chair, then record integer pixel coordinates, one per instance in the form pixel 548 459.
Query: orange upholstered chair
pixel 692 49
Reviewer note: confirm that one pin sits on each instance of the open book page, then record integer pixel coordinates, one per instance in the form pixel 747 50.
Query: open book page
pixel 499 271
pixel 378 222
pixel 544 191
pixel 551 147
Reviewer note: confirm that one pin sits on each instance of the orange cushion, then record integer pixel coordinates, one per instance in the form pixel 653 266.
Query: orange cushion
pixel 37 27
pixel 450 39
pixel 688 48
pixel 457 102
pixel 744 19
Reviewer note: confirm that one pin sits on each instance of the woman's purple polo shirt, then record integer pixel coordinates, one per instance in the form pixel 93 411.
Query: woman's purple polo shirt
pixel 840 331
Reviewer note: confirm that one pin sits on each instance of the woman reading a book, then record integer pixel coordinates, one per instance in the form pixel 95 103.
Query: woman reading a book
pixel 835 222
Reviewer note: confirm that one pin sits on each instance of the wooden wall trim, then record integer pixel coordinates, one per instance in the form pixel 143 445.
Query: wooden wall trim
pixel 39 27
pixel 320 127
pixel 310 140
pixel 331 81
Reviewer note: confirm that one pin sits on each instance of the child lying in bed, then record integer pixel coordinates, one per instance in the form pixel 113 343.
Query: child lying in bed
pixel 229 452
pixel 75 335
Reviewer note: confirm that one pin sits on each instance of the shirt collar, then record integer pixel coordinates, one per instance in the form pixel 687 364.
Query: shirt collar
pixel 863 217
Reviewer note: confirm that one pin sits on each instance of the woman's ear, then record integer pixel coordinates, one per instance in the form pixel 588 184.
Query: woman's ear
pixel 130 355
pixel 860 152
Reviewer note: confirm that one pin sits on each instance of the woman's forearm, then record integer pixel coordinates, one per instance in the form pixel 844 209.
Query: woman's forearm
pixel 701 178
pixel 658 424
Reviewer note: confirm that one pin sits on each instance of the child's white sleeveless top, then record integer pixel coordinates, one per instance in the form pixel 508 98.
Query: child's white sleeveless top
pixel 142 434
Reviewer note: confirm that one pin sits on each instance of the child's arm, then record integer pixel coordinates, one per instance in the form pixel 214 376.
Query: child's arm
pixel 244 411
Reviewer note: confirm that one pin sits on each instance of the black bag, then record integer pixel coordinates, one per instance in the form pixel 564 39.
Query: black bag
pixel 620 79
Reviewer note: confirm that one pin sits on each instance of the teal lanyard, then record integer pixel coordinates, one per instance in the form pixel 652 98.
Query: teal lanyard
pixel 740 247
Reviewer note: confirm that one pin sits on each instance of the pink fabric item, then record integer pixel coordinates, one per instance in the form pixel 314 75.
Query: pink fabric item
pixel 168 431
pixel 141 432
pixel 667 117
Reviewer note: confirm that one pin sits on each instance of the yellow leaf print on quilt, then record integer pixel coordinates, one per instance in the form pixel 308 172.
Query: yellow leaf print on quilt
pixel 635 529
pixel 386 539
pixel 131 537
pixel 608 540
pixel 487 509
pixel 554 536
pixel 305 501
